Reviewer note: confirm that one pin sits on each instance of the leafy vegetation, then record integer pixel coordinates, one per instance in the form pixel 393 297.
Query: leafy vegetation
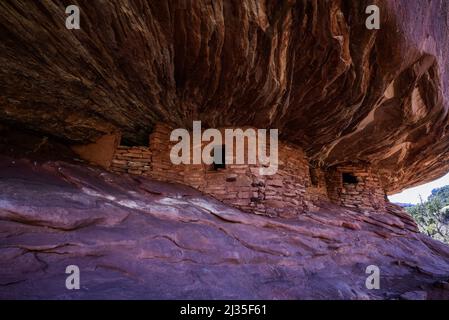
pixel 432 215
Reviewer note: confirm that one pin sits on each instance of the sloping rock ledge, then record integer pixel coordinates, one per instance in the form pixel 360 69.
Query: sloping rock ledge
pixel 136 238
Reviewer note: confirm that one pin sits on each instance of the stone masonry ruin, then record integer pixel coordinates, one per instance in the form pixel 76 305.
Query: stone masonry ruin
pixel 297 187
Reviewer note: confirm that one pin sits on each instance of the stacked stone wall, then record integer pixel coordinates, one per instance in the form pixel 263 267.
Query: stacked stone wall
pixel 297 186
pixel 365 193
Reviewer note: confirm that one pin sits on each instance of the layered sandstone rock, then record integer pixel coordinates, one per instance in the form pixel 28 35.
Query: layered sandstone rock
pixel 132 237
pixel 309 68
pixel 361 113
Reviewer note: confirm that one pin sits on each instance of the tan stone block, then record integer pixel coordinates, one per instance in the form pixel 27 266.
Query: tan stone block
pixel 244 195
pixel 118 162
pixel 240 202
pixel 277 183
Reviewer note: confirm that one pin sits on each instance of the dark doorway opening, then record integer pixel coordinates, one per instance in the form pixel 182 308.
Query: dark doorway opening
pixel 219 154
pixel 313 177
pixel 349 178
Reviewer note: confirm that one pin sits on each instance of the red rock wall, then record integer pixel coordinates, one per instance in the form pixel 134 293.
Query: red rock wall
pixel 133 160
pixel 162 168
pixel 366 194
pixel 295 188
pixel 316 190
pixel 282 194
pixel 242 186
pixel 101 152
pixel 284 63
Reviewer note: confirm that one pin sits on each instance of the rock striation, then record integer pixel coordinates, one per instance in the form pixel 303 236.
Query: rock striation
pixel 309 68
pixel 133 237
pixel 361 113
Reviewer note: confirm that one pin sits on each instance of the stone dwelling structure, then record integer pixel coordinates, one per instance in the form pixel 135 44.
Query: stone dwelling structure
pixel 297 187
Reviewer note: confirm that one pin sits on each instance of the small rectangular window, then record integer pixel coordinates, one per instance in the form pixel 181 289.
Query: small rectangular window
pixel 349 178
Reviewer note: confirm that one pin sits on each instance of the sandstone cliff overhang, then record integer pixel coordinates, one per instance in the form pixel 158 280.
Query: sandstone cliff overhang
pixel 309 68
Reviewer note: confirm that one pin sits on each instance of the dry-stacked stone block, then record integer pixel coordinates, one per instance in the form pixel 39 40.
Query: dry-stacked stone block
pixel 355 186
pixel 297 186
pixel 316 191
pixel 133 160
pixel 162 167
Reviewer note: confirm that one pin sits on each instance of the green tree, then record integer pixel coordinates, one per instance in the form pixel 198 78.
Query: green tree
pixel 432 215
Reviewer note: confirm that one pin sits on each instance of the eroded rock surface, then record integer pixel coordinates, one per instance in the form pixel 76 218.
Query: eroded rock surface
pixel 136 238
pixel 308 68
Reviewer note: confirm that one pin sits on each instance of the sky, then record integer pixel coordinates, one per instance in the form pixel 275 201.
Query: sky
pixel 412 195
